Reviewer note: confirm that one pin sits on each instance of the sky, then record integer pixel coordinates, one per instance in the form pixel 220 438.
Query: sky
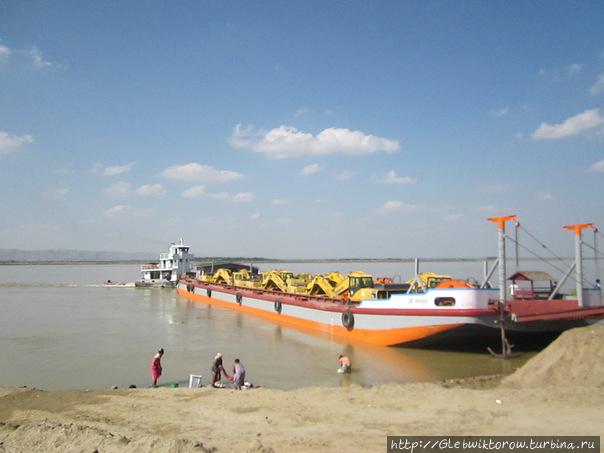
pixel 302 129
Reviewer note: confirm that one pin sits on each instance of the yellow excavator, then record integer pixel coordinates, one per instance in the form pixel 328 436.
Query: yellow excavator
pixel 426 280
pixel 241 277
pixel 285 281
pixel 221 276
pixel 276 280
pixel 246 279
pixel 354 286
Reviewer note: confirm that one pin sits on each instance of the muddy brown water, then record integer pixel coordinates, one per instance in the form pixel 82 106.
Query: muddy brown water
pixel 59 329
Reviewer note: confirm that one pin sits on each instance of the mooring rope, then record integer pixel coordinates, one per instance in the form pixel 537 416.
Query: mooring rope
pixel 562 271
pixel 543 245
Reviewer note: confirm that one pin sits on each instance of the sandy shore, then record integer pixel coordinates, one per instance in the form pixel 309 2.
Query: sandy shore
pixel 321 419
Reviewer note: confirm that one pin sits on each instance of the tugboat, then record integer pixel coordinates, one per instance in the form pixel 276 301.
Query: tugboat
pixel 165 273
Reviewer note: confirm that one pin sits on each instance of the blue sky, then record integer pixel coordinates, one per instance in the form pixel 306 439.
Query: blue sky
pixel 299 129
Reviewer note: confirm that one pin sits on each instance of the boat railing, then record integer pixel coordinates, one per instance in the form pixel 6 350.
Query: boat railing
pixel 149 266
pixel 164 256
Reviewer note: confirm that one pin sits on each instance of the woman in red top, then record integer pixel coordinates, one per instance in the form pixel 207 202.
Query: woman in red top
pixel 156 367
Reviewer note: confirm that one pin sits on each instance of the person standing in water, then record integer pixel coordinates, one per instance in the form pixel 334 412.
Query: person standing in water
pixel 156 368
pixel 345 366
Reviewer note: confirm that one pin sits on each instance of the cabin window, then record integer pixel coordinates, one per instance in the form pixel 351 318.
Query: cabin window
pixel 444 301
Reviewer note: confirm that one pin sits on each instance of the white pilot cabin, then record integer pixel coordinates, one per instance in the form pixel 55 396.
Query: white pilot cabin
pixel 171 265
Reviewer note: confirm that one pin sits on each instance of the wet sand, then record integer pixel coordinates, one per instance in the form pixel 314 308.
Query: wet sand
pixel 562 398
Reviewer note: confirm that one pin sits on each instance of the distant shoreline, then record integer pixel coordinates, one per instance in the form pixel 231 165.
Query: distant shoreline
pixel 269 260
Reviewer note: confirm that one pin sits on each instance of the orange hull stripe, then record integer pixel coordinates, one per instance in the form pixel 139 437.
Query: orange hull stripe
pixel 386 337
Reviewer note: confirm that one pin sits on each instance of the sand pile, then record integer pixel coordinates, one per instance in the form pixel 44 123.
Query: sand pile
pixel 576 358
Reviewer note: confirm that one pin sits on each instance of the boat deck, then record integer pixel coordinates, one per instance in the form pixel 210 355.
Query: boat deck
pixel 320 302
pixel 523 310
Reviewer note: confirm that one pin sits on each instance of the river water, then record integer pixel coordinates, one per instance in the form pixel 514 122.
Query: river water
pixel 59 328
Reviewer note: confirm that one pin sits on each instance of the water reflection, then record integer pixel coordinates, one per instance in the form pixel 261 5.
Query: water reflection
pixel 278 333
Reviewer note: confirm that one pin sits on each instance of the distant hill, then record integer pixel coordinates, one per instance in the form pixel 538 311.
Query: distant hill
pixel 67 255
pixel 14 255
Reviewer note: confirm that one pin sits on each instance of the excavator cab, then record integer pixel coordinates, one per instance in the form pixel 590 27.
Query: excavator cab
pixel 359 282
pixel 427 280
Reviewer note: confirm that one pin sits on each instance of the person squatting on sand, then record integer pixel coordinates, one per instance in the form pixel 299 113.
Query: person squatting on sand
pixel 156 367
pixel 238 374
pixel 345 366
pixel 217 369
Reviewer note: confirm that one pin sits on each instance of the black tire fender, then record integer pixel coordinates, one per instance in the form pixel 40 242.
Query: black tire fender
pixel 238 298
pixel 278 307
pixel 348 319
pixel 209 292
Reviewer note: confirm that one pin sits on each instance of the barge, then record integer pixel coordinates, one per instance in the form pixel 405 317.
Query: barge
pixel 389 314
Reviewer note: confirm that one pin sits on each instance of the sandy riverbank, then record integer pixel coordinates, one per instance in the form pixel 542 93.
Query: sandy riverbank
pixel 560 391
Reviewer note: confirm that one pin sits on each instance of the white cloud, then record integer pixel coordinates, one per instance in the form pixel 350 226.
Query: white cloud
pixel 495 188
pixel 574 69
pixel 4 54
pixel 196 191
pixel 279 201
pixel 390 207
pixel 243 197
pixel 255 216
pixel 33 56
pixel 501 112
pixel 311 169
pixel 151 190
pixel 200 192
pixel 597 167
pixel 119 190
pixel 392 178
pixel 598 87
pixel 38 59
pixel 10 143
pixel 197 172
pixel 589 119
pixel 114 170
pixel 287 141
pixel 544 196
